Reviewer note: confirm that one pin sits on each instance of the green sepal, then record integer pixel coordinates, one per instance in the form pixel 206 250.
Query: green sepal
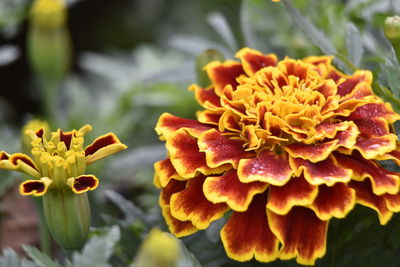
pixel 68 217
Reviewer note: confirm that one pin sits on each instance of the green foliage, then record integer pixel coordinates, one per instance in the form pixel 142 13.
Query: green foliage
pixel 41 259
pixel 98 249
pixel 10 258
pixel 354 44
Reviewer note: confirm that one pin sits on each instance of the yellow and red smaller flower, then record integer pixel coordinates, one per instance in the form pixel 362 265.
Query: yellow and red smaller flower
pixel 59 160
pixel 58 166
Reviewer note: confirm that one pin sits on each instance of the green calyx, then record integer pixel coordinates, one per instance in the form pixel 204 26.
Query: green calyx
pixel 68 218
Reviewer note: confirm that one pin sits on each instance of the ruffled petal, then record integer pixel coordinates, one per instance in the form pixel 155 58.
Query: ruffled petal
pixel 185 156
pixel 174 186
pixel 212 117
pixel 334 201
pixel 247 234
pixel 320 151
pixel 324 172
pixel 362 90
pixel 366 197
pixel 19 162
pixel 253 60
pixel 322 64
pixel 228 189
pixel 330 130
pixel 83 183
pixel 268 167
pixel 167 124
pixel 372 147
pixel 392 202
pixel 206 97
pixel 301 233
pixel 372 111
pixel 165 171
pixel 392 155
pixel 102 147
pixel 350 82
pixel 190 204
pixel 222 74
pixel 35 187
pixel 314 152
pixel 175 226
pixel 221 150
pixel 383 181
pixel 297 192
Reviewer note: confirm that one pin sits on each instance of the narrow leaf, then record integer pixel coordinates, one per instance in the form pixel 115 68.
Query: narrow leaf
pixel 354 44
pixel 391 74
pixel 130 211
pixel 11 259
pixel 315 35
pixel 218 22
pixel 387 95
pixel 187 259
pixel 41 259
pixel 98 250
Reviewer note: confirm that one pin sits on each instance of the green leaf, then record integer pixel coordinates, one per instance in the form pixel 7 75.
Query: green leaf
pixel 354 44
pixel 387 95
pixel 11 259
pixel 41 259
pixel 316 36
pixel 131 212
pixel 391 74
pixel 220 25
pixel 98 250
pixel 186 258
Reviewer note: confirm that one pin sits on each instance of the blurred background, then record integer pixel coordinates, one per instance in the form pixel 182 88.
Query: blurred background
pixel 118 65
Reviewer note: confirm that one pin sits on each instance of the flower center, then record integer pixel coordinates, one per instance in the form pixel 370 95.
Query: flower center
pixel 59 157
pixel 279 104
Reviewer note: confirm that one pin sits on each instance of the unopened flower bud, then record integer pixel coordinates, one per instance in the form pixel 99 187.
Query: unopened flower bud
pixel 392 27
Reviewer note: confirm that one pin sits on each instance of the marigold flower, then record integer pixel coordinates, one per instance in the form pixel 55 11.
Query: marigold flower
pixel 286 146
pixel 58 166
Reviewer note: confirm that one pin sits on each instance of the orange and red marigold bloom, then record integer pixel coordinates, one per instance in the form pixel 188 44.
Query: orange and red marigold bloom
pixel 286 145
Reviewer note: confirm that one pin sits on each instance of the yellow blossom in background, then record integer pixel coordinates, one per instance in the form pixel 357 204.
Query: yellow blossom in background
pixel 49 14
pixel 285 146
pixel 159 249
